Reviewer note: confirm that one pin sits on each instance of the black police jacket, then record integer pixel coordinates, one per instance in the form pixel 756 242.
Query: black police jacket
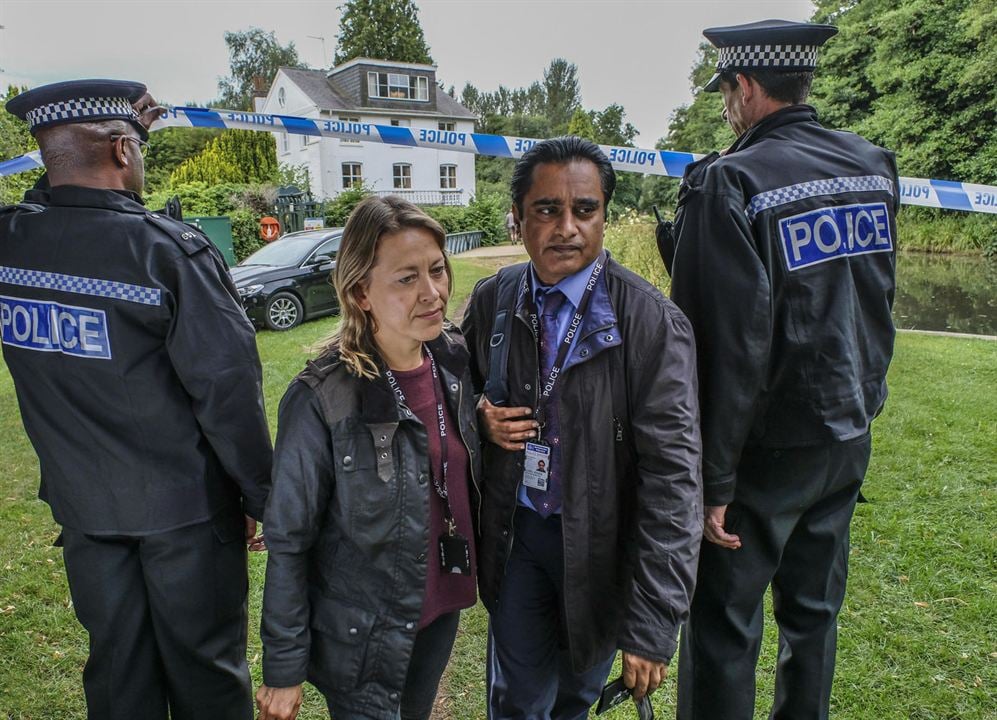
pixel 135 367
pixel 632 513
pixel 784 263
pixel 348 530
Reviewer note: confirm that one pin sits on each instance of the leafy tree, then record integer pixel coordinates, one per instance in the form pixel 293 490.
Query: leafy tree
pixel 253 53
pixel 563 93
pixel 581 125
pixel 235 156
pixel 15 140
pixel 169 148
pixel 382 29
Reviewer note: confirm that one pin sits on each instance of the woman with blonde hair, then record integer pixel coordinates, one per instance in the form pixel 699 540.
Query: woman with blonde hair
pixel 368 523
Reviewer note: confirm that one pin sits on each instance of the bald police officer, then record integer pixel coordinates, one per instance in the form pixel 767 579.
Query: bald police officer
pixel 784 262
pixel 139 386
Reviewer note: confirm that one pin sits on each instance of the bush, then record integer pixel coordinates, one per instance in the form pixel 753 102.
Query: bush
pixel 245 233
pixel 486 213
pixel 199 198
pixel 339 208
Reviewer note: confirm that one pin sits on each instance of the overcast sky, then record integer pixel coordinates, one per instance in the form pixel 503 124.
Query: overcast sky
pixel 637 53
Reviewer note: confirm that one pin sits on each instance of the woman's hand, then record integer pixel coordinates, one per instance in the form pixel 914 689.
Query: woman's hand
pixel 278 703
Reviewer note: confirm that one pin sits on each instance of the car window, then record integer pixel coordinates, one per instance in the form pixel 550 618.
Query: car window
pixel 328 248
pixel 281 253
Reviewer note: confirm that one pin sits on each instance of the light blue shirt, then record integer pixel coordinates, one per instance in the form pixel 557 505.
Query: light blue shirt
pixel 573 288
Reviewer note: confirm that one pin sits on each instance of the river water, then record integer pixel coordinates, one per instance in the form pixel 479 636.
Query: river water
pixel 946 292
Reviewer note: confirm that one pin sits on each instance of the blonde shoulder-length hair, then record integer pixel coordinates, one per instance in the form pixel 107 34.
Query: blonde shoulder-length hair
pixel 371 219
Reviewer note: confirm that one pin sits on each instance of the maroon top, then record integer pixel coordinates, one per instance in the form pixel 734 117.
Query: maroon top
pixel 444 592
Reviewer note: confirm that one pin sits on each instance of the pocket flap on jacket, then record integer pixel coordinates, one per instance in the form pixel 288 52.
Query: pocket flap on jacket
pixel 344 623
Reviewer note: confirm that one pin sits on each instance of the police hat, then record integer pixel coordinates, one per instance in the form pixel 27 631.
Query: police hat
pixel 768 45
pixel 78 101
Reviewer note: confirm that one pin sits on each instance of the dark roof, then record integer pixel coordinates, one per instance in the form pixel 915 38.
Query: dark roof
pixel 323 93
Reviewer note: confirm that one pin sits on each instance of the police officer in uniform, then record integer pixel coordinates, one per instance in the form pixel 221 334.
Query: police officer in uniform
pixel 784 263
pixel 140 388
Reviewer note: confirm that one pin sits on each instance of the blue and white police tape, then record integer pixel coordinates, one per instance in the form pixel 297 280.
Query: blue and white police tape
pixel 946 194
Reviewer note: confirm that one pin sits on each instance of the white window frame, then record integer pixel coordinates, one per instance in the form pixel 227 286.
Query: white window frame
pixel 285 143
pixel 401 176
pixel 343 118
pixel 354 179
pixel 398 86
pixel 446 126
pixel 448 176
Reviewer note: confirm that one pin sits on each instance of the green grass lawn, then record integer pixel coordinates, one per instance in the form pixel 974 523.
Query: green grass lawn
pixel 919 627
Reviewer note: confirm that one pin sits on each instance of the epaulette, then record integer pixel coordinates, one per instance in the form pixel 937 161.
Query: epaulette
pixel 189 238
pixel 319 369
pixel 23 207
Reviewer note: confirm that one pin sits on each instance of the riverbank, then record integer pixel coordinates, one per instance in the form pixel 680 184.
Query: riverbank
pixel 917 630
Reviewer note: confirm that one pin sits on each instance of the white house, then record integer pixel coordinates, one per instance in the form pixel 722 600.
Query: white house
pixel 382 93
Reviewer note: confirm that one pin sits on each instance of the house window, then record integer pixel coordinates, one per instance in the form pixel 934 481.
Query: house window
pixel 349 120
pixel 282 97
pixel 402 176
pixel 401 122
pixel 448 126
pixel 448 177
pixel 397 86
pixel 352 175
pixel 285 143
pixel 304 140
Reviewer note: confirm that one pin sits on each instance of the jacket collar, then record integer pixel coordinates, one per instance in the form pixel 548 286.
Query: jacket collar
pixel 377 400
pixel 76 196
pixel 784 116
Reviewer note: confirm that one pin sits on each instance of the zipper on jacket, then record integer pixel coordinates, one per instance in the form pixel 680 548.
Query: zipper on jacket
pixel 619 429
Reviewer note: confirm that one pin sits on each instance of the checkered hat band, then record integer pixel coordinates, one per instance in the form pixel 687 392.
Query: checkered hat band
pixel 803 57
pixel 81 108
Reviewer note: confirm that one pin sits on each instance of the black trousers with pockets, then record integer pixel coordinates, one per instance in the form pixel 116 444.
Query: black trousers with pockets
pixel 167 619
pixel 792 511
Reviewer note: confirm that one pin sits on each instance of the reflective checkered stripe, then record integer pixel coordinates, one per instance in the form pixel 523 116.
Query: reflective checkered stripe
pixel 80 285
pixel 788 56
pixel 80 108
pixel 813 188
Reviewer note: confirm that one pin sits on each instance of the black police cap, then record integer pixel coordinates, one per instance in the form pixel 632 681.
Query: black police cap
pixel 78 101
pixel 767 44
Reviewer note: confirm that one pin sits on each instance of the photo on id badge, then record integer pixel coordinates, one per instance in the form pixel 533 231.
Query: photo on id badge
pixel 536 467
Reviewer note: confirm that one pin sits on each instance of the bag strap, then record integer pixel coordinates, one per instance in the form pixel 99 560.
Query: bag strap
pixel 507 285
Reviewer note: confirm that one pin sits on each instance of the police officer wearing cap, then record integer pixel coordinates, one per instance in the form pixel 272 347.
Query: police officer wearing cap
pixel 139 386
pixel 783 259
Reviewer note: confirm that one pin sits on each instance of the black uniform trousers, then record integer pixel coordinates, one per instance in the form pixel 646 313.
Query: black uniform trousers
pixel 167 619
pixel 792 511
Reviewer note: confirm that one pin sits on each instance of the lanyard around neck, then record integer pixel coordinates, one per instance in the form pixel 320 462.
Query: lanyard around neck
pixel 439 483
pixel 547 388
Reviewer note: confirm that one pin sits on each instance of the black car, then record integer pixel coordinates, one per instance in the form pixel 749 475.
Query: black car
pixel 288 281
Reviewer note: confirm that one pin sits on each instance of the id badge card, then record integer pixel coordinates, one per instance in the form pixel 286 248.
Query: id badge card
pixel 455 554
pixel 536 466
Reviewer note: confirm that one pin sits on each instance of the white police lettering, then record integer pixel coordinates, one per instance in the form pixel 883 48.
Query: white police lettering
pixel 442 137
pixel 252 118
pixel 345 127
pixel 50 327
pixel 828 233
pixel 632 156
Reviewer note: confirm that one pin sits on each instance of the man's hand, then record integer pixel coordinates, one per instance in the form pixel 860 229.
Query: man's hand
pixel 278 703
pixel 148 110
pixel 254 542
pixel 713 527
pixel 508 428
pixel 642 676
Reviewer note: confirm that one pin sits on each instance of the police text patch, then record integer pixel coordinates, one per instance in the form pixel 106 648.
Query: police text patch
pixel 53 327
pixel 833 232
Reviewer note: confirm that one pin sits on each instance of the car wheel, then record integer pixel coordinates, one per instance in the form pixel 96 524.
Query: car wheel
pixel 283 312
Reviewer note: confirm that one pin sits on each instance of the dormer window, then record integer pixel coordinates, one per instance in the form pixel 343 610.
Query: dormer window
pixel 397 86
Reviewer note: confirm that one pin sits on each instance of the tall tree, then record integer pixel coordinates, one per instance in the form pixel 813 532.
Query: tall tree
pixel 562 91
pixel 253 53
pixel 382 29
pixel 235 156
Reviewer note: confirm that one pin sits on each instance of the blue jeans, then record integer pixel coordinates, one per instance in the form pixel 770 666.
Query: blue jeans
pixel 529 668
